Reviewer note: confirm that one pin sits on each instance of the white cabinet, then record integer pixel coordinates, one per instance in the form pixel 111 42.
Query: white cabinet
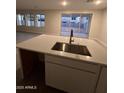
pixel 102 83
pixel 70 75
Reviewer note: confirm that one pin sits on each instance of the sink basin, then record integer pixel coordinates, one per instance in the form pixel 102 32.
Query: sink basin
pixel 71 48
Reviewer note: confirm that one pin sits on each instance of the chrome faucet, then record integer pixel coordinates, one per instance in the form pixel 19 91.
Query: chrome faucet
pixel 71 35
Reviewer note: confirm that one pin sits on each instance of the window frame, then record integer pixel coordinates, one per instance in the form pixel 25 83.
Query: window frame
pixel 89 15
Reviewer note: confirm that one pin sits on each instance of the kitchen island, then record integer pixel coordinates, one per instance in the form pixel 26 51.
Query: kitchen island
pixel 69 72
pixel 44 43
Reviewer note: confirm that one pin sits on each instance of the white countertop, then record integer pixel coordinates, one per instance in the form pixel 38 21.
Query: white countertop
pixel 44 43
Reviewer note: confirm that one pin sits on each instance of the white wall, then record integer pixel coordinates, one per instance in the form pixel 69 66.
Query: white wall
pixel 103 33
pixel 95 24
pixel 99 27
pixel 53 22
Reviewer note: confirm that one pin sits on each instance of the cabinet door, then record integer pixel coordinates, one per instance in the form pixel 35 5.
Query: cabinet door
pixel 28 60
pixel 102 83
pixel 69 79
pixel 19 71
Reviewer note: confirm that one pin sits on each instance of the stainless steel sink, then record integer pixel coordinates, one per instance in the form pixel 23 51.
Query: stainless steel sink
pixel 71 48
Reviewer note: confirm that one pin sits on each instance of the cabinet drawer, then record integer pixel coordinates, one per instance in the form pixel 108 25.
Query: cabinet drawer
pixel 69 80
pixel 81 65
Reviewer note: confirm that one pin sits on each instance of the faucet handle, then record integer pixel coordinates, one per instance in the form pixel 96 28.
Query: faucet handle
pixel 72 32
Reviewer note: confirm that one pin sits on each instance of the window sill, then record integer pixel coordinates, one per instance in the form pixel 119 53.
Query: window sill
pixel 37 32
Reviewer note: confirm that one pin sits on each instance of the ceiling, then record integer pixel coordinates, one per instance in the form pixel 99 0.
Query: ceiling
pixel 57 4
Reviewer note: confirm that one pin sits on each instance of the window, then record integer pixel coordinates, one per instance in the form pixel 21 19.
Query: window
pixel 27 17
pixel 31 20
pixel 40 20
pixel 65 23
pixel 80 23
pixel 20 19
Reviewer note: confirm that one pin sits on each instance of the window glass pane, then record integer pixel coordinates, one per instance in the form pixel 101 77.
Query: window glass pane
pixel 20 20
pixel 75 22
pixel 40 20
pixel 84 24
pixel 37 20
pixel 32 20
pixel 29 20
pixel 65 24
pixel 23 20
pixel 27 17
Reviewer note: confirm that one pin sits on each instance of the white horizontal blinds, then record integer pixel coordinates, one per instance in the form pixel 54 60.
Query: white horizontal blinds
pixel 80 23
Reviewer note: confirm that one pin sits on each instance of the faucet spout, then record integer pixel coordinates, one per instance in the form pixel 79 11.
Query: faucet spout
pixel 71 35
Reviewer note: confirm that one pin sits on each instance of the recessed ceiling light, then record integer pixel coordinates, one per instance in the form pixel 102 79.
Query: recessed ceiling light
pixel 98 2
pixel 64 3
